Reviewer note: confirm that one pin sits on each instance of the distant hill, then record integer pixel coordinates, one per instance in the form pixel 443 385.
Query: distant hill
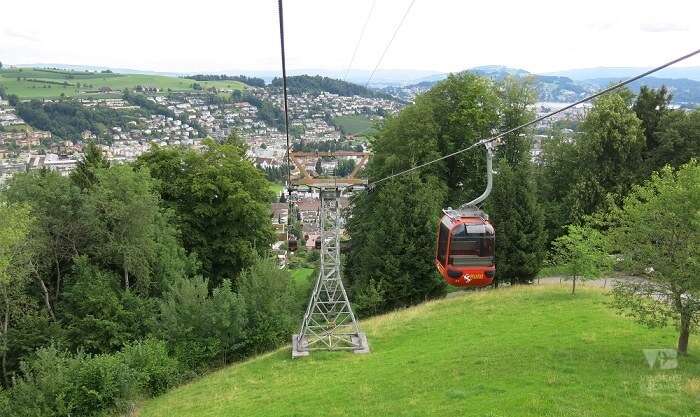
pixel 684 91
pixel 316 84
pixel 559 88
pixel 580 74
pixel 51 82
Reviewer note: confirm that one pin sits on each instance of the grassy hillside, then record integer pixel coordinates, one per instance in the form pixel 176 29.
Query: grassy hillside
pixel 37 83
pixel 354 125
pixel 515 352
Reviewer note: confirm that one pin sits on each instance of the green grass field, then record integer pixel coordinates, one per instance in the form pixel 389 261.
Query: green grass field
pixel 302 276
pixel 354 125
pixel 303 280
pixel 534 351
pixel 276 188
pixel 38 83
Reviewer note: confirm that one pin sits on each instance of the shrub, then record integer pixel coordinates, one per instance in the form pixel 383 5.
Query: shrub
pixel 201 328
pixel 44 387
pixel 102 382
pixel 55 383
pixel 100 317
pixel 271 309
pixel 157 370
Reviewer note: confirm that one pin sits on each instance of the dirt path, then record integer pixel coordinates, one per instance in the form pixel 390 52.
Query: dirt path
pixel 598 283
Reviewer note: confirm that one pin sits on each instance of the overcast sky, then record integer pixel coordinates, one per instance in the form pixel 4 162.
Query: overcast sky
pixel 439 35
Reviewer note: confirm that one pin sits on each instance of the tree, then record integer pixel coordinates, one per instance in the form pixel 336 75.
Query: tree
pixel 516 212
pixel 93 159
pixel 345 167
pixel 99 316
pixel 15 224
pixel 393 228
pixel 678 139
pixel 609 154
pixel 519 222
pixel 59 233
pixel 580 172
pixel 464 109
pixel 271 307
pixel 555 175
pixel 393 235
pixel 221 204
pixel 580 254
pixel 658 238
pixel 122 209
pixel 650 107
pixel 318 167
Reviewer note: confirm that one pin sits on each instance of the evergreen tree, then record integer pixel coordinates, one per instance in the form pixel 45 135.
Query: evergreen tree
pixel 393 232
pixel 93 159
pixel 678 139
pixel 519 221
pixel 516 211
pixel 650 107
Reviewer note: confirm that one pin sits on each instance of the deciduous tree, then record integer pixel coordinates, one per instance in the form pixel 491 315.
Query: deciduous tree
pixel 15 224
pixel 658 237
pixel 581 254
pixel 122 210
pixel 221 204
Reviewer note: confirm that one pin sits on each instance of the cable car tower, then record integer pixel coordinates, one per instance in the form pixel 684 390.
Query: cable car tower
pixel 329 322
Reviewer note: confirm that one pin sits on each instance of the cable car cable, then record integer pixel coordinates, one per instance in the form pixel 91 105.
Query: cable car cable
pixel 359 40
pixel 286 126
pixel 381 57
pixel 537 120
pixel 284 89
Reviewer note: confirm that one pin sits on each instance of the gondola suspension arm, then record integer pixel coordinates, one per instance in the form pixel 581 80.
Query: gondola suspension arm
pixel 489 178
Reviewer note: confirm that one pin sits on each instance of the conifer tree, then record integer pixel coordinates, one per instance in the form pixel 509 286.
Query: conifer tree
pixel 516 212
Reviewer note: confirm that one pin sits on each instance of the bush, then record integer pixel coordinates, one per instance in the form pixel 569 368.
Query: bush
pixel 271 309
pixel 55 383
pixel 44 387
pixel 102 382
pixel 200 328
pixel 100 317
pixel 157 370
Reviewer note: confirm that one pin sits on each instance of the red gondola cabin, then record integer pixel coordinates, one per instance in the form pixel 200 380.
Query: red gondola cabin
pixel 465 249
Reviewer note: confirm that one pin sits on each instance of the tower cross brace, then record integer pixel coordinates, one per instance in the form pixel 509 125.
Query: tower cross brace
pixel 329 322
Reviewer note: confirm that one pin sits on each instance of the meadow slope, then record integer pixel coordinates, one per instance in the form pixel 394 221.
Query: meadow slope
pixel 47 83
pixel 534 351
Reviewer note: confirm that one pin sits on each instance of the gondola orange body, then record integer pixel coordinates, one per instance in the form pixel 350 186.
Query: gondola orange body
pixel 465 249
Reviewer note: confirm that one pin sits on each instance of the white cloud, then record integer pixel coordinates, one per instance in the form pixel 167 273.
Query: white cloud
pixel 663 27
pixel 12 34
pixel 441 35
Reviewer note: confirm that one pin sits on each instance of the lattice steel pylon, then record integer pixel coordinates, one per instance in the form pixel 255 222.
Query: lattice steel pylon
pixel 329 323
